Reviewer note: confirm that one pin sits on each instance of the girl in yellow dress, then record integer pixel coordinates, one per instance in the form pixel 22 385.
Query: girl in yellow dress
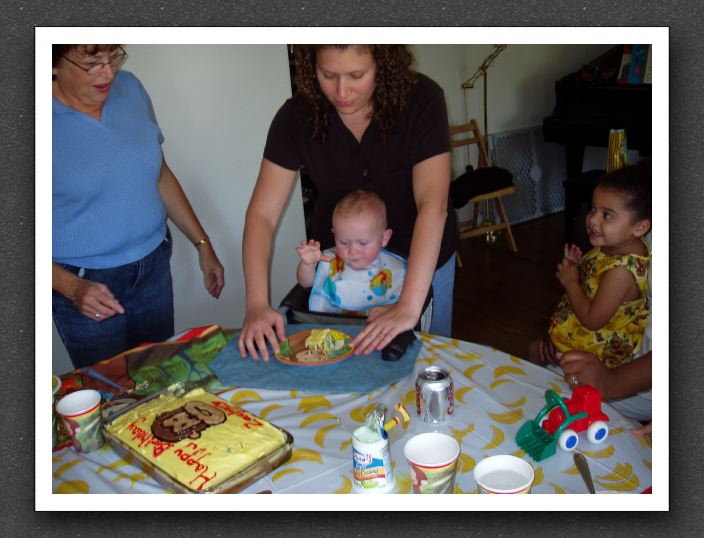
pixel 604 309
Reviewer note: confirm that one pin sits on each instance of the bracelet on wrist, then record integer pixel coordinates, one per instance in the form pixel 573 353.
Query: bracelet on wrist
pixel 200 242
pixel 74 288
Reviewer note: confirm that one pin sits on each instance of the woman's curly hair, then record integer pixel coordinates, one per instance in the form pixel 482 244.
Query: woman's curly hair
pixel 394 81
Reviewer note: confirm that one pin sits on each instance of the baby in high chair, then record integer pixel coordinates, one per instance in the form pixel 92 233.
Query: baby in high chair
pixel 358 276
pixel 604 309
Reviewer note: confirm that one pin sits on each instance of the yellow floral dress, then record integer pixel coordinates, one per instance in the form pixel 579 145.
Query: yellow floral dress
pixel 616 342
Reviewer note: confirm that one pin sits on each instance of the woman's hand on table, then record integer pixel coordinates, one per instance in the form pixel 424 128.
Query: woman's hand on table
pixel 643 431
pixel 95 301
pixel 587 369
pixel 383 324
pixel 261 324
pixel 377 311
pixel 213 271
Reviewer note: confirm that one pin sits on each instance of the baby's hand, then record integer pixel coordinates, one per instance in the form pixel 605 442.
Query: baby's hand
pixel 572 253
pixel 567 273
pixel 310 253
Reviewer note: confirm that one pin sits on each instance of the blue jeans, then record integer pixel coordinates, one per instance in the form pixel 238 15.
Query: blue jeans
pixel 443 286
pixel 144 289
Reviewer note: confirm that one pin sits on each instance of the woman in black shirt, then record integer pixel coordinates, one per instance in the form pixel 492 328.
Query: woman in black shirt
pixel 361 119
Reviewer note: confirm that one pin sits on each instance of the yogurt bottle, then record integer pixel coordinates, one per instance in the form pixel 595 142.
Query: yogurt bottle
pixel 371 462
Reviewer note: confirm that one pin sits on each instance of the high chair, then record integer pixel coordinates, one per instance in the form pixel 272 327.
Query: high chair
pixel 491 184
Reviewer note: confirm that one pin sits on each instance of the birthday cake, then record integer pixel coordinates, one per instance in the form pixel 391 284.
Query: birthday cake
pixel 199 441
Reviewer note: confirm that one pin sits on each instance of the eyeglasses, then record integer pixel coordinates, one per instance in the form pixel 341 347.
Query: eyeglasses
pixel 96 67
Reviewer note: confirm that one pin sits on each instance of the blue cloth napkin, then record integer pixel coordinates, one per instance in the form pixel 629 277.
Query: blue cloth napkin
pixel 356 373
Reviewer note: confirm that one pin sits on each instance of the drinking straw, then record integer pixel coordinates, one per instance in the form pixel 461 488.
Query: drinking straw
pixel 396 420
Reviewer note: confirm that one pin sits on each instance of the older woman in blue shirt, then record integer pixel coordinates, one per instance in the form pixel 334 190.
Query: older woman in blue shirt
pixel 112 193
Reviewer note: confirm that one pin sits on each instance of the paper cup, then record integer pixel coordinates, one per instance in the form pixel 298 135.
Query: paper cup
pixel 432 459
pixel 80 412
pixel 504 474
pixel 55 387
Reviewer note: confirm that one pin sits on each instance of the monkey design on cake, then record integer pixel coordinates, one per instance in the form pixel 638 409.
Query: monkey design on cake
pixel 186 421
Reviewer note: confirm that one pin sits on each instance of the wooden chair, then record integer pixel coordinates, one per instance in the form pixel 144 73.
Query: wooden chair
pixel 469 228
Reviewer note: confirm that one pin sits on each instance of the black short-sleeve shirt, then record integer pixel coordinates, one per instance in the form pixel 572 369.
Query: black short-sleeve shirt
pixel 342 164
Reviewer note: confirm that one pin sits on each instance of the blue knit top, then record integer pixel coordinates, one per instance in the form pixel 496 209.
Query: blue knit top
pixel 106 207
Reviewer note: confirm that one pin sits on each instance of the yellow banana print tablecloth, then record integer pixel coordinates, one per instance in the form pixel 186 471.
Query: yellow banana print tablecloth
pixel 494 394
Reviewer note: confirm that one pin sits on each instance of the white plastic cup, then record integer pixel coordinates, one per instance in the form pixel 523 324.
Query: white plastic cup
pixel 80 412
pixel 504 474
pixel 432 460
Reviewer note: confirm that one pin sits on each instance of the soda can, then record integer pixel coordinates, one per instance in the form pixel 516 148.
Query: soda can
pixel 435 395
pixel 618 150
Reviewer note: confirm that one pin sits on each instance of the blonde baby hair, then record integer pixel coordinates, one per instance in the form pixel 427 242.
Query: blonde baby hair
pixel 357 202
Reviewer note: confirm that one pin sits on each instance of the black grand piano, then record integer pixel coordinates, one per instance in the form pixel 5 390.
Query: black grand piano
pixel 589 103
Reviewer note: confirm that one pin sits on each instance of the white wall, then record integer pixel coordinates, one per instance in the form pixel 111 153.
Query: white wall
pixel 520 83
pixel 214 104
pixel 445 65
